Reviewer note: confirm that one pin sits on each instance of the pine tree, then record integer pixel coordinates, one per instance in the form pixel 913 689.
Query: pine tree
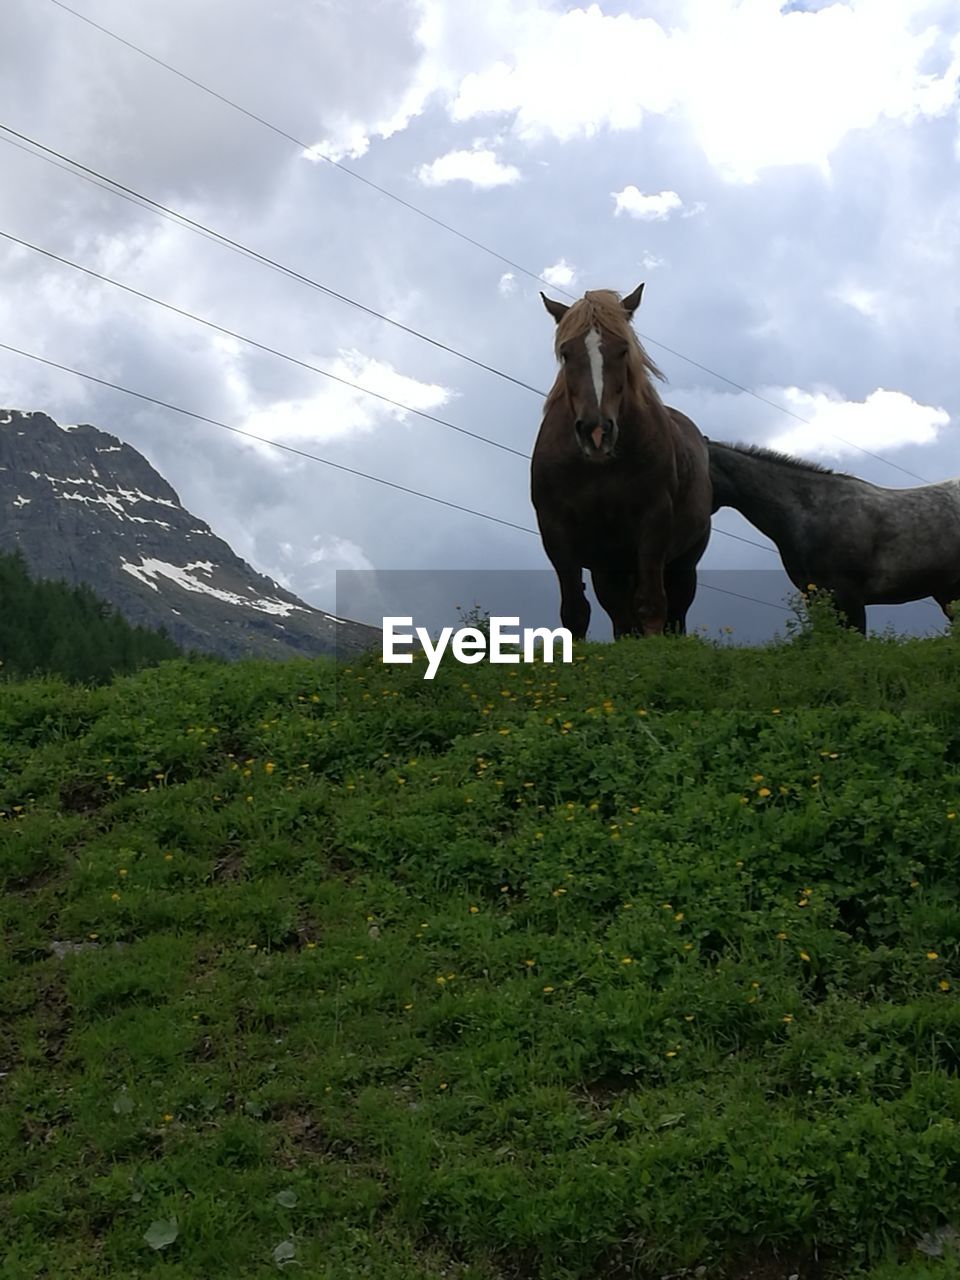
pixel 53 628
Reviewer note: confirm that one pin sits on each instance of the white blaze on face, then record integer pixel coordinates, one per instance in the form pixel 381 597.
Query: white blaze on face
pixel 596 372
pixel 596 364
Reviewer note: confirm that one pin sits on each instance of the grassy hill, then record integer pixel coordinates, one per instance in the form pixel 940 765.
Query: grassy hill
pixel 643 964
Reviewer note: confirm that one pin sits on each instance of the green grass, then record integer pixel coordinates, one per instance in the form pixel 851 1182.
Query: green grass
pixel 518 973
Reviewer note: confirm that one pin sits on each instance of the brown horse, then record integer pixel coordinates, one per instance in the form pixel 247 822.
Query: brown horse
pixel 620 482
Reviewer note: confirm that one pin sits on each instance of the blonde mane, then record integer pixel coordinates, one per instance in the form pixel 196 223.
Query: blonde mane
pixel 602 309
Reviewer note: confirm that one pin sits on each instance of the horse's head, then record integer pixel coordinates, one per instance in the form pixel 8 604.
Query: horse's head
pixel 597 351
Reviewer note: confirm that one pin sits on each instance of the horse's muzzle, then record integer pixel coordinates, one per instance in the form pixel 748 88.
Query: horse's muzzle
pixel 596 439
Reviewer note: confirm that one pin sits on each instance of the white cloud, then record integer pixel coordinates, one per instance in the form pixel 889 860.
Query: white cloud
pixel 560 274
pixel 337 412
pixel 866 301
pixel 570 74
pixel 340 552
pixel 316 576
pixel 885 420
pixel 348 140
pixel 803 77
pixel 508 283
pixel 651 261
pixel 758 87
pixel 648 208
pixel 480 168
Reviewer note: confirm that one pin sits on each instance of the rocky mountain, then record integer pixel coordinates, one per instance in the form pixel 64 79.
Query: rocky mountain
pixel 84 507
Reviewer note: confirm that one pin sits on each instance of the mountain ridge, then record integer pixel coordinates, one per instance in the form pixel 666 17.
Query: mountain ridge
pixel 85 507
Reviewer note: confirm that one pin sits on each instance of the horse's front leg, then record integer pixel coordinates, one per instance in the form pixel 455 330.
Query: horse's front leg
pixel 651 596
pixel 574 605
pixel 616 590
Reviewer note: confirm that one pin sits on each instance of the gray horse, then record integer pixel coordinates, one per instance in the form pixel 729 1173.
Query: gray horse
pixel 865 544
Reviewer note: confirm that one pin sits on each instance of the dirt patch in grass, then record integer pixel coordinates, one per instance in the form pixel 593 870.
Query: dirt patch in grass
pixel 797 1264
pixel 307 928
pixel 43 996
pixel 83 795
pixel 203 1051
pixel 304 1132
pixel 305 1136
pixel 229 868
pixel 607 1087
pixel 35 882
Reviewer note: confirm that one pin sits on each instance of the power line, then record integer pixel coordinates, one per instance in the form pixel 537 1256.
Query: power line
pixel 276 266
pixel 103 186
pixel 533 275
pixel 260 346
pixel 312 457
pixel 236 246
pixel 309 147
pixel 250 435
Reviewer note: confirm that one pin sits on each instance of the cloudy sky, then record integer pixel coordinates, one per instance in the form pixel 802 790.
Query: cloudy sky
pixel 784 177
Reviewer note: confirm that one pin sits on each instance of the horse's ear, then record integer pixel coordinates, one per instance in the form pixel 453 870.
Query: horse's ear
pixel 632 300
pixel 557 309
